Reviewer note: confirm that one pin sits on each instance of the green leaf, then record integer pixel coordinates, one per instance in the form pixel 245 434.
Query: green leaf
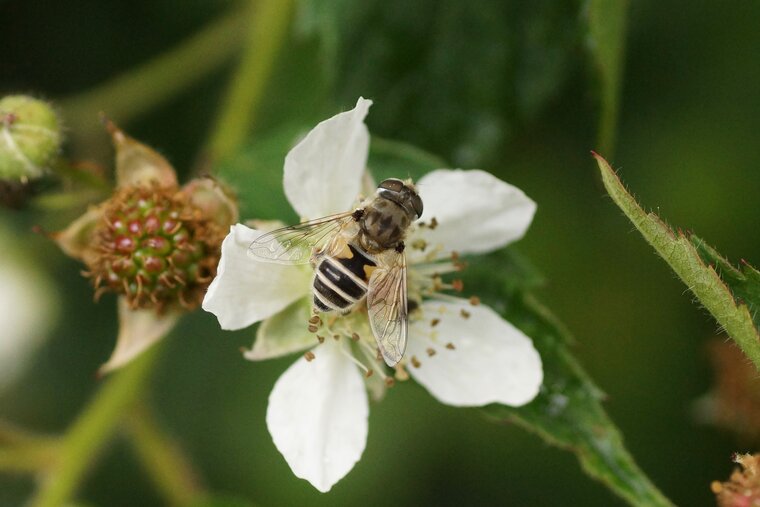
pixel 256 171
pixel 457 78
pixel 568 411
pixel 680 253
pixel 606 43
pixel 744 281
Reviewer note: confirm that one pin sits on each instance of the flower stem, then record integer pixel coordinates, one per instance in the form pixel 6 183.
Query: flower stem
pixel 163 459
pixel 269 20
pixel 94 427
pixel 140 89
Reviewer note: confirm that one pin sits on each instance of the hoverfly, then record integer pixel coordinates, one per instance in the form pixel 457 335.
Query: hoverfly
pixel 356 255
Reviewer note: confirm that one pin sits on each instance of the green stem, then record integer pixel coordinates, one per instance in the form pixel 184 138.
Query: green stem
pixel 138 90
pixel 23 451
pixel 269 22
pixel 163 459
pixel 94 427
pixel 30 458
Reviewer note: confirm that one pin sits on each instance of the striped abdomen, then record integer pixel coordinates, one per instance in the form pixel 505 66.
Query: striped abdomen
pixel 340 282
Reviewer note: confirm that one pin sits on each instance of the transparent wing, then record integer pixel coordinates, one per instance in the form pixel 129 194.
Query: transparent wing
pixel 294 244
pixel 386 306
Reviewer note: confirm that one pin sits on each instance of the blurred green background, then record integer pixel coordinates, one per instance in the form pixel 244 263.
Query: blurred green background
pixel 508 87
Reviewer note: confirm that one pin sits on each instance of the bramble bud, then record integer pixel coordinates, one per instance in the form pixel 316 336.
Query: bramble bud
pixel 30 137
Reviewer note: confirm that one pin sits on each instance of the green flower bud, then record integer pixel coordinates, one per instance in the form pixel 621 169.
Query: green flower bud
pixel 30 137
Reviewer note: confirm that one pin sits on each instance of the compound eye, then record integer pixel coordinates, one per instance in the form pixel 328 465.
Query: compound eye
pixel 417 205
pixel 392 184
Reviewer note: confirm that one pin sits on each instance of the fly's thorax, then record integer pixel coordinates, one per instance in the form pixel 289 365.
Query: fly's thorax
pixel 383 225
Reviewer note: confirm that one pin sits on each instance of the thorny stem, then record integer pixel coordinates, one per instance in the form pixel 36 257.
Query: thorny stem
pixel 169 468
pixel 94 427
pixel 269 20
pixel 140 89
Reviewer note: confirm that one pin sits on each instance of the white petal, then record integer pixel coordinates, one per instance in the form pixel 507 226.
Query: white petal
pixel 317 416
pixel 476 212
pixel 284 333
pixel 246 290
pixel 491 362
pixel 323 172
pixel 27 309
pixel 138 330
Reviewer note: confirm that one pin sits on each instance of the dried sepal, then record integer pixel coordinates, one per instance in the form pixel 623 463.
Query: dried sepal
pixel 138 164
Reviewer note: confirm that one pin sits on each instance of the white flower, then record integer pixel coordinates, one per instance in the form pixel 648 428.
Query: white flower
pixel 464 354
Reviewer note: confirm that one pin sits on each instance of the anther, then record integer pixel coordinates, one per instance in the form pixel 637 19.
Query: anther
pixel 434 322
pixel 315 320
pixel 474 300
pixel 321 339
pixel 433 223
pixel 312 328
pixel 454 256
pixel 457 285
pixel 450 346
pixel 309 356
pixel 430 351
pixel 369 373
pixel 416 362
pixel 355 337
pixel 389 381
pixel 464 313
pixel 336 337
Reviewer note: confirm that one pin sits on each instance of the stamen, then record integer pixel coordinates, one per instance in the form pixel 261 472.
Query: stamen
pixel 358 363
pixel 312 328
pixel 419 244
pixel 315 320
pixel 309 356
